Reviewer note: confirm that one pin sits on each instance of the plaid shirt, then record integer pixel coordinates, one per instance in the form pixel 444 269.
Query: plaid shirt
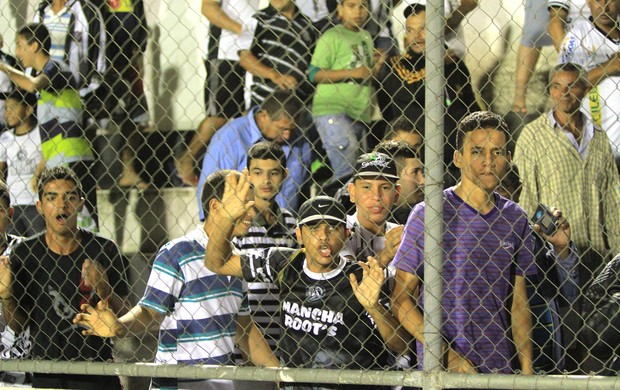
pixel 586 190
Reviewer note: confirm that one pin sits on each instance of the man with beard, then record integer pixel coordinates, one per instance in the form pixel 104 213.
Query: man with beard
pixel 403 78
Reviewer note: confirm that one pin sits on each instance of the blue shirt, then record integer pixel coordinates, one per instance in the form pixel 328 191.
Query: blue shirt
pixel 228 150
pixel 200 307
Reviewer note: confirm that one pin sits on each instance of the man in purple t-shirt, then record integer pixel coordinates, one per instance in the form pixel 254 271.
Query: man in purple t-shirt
pixel 487 247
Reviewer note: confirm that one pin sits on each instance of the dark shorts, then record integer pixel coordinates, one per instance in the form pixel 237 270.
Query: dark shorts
pixel 224 89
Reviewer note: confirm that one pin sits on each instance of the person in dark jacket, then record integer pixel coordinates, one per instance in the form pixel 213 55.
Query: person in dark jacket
pixel 601 314
pixel 402 85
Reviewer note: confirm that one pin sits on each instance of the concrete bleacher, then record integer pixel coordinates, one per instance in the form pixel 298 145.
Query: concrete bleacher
pixel 178 216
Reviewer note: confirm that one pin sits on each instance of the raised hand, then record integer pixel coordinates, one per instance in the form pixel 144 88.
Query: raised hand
pixel 367 292
pixel 6 277
pixel 95 277
pixel 98 321
pixel 236 192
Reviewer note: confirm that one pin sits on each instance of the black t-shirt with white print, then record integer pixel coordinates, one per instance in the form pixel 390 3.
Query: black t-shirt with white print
pixel 51 286
pixel 324 325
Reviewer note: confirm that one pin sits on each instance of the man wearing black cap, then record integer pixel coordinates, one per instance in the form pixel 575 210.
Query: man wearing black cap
pixel 374 191
pixel 326 313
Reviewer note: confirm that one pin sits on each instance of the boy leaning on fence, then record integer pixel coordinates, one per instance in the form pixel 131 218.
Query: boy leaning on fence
pixel 49 276
pixel 487 252
pixel 329 319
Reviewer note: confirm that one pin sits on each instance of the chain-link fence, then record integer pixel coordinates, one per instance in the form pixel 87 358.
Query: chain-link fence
pixel 471 148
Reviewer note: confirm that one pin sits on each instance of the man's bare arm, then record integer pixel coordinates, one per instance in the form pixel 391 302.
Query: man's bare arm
pixel 609 68
pixel 558 17
pixel 405 309
pixel 24 81
pixel 521 318
pixel 101 321
pixel 455 19
pixel 250 63
pixel 392 242
pixel 15 316
pixel 213 12
pixel 218 255
pixel 367 293
pixel 96 277
pixel 252 342
pixel 186 162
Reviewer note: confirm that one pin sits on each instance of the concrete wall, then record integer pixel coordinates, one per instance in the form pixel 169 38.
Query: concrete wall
pixel 178 215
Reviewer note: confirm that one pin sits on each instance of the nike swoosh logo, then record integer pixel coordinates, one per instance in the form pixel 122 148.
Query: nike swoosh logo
pixel 321 206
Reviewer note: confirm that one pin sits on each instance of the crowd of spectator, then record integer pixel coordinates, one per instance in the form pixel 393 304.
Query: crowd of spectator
pixel 310 186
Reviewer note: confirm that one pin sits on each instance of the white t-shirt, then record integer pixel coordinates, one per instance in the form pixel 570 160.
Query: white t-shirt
pixel 315 10
pixel 21 153
pixel 227 44
pixel 585 45
pixel 577 9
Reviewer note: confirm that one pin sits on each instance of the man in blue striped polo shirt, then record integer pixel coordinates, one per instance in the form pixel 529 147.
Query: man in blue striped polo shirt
pixel 201 314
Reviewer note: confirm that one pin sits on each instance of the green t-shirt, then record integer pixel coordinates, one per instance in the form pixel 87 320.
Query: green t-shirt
pixel 340 48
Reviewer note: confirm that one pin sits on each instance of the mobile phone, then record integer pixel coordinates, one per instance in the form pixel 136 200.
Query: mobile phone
pixel 544 218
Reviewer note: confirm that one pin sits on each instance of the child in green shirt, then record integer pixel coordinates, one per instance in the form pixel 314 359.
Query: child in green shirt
pixel 342 65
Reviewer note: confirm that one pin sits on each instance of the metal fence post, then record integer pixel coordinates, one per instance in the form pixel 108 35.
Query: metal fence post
pixel 433 220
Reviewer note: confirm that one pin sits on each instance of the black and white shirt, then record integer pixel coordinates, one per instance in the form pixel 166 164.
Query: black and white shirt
pixel 323 324
pixel 283 44
pixel 263 297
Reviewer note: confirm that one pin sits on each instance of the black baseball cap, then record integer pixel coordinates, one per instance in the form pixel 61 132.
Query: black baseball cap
pixel 321 208
pixel 371 165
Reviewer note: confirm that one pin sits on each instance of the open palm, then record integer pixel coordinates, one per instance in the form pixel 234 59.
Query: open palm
pixel 367 292
pixel 98 321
